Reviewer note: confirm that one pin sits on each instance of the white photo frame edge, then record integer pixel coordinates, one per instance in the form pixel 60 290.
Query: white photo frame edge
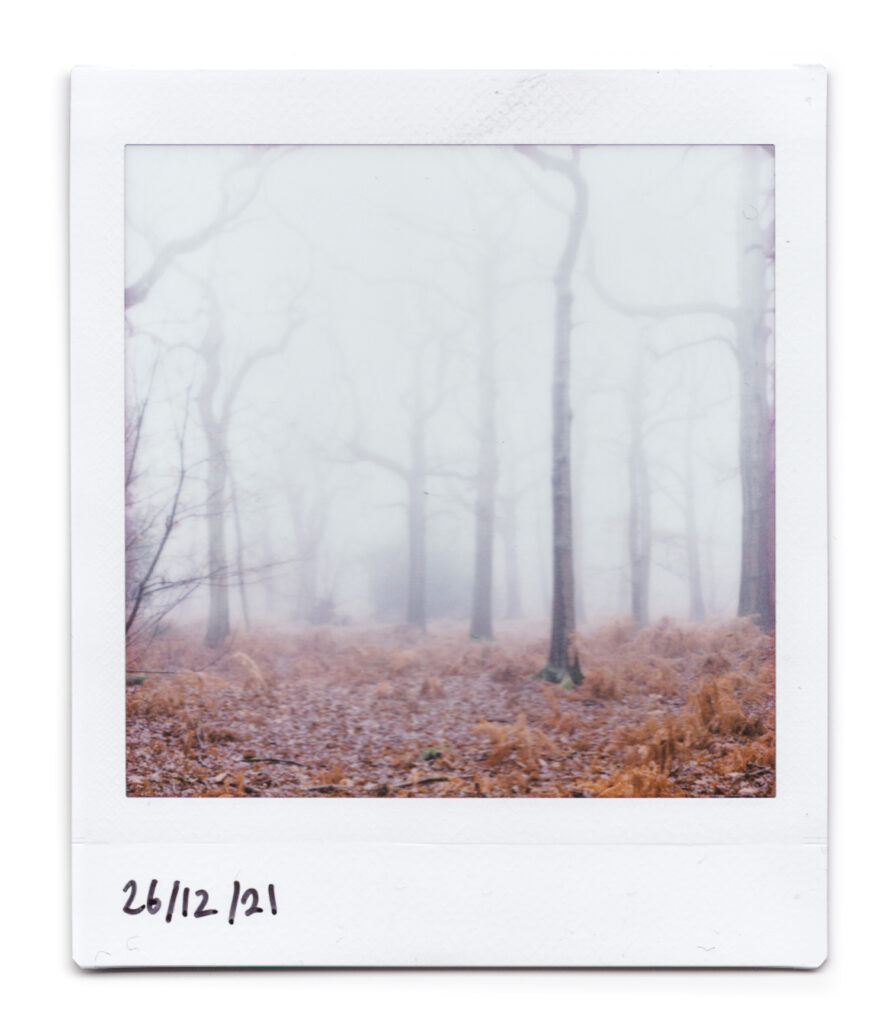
pixel 518 882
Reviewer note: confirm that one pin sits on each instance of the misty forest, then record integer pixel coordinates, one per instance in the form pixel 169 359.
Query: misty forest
pixel 449 471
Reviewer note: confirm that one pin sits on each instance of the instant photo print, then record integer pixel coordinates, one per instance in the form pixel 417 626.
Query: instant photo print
pixel 448 518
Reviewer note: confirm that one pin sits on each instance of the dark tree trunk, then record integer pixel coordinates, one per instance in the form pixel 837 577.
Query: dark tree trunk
pixel 563 663
pixel 579 588
pixel 757 590
pixel 756 441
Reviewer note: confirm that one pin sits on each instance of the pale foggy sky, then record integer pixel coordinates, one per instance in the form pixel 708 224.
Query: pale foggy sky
pixel 383 253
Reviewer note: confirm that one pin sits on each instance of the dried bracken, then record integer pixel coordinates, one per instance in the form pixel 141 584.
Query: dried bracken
pixel 670 711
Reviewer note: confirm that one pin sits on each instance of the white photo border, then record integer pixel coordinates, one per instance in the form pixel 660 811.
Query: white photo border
pixel 514 882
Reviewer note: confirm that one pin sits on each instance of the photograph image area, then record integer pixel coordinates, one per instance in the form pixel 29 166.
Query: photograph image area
pixel 449 471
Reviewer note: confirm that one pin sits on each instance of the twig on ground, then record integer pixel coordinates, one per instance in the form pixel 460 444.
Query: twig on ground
pixel 425 782
pixel 271 760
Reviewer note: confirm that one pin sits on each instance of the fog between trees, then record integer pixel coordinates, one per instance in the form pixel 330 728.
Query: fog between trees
pixel 340 369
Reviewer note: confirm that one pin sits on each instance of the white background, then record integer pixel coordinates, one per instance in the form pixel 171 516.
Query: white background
pixel 38 48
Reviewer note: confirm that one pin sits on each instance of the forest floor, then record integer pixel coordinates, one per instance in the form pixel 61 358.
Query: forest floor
pixel 670 711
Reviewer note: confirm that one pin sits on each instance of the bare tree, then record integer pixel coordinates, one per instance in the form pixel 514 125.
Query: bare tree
pixel 142 587
pixel 689 382
pixel 563 664
pixel 137 552
pixel 215 403
pixel 414 472
pixel 148 533
pixel 483 244
pixel 752 348
pixel 239 184
pixel 757 589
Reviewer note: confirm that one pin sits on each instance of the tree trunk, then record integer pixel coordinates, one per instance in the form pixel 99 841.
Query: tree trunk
pixel 416 610
pixel 563 663
pixel 219 606
pixel 509 531
pixel 694 564
pixel 756 440
pixel 756 422
pixel 639 518
pixel 481 627
pixel 414 473
pixel 757 589
pixel 213 426
pixel 240 561
pixel 215 410
pixel 579 510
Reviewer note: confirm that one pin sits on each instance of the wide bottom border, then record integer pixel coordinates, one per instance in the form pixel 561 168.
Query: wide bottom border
pixel 460 905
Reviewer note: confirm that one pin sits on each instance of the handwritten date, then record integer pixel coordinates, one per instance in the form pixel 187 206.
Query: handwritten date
pixel 179 901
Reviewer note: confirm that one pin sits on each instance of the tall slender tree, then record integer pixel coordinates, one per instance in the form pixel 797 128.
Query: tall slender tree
pixel 481 624
pixel 563 662
pixel 757 588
